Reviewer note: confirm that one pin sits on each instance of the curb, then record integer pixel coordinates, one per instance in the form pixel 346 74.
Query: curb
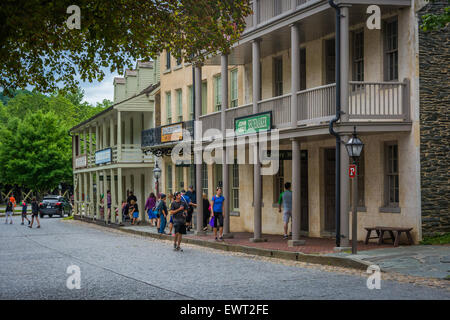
pixel 279 254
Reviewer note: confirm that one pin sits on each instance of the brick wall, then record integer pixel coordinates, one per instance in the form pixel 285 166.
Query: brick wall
pixel 434 125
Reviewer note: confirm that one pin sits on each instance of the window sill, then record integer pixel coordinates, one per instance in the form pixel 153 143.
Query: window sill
pixel 178 67
pixel 235 214
pixel 167 71
pixel 390 209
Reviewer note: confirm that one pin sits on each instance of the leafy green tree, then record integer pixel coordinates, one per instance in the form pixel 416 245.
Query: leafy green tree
pixel 436 21
pixel 35 152
pixel 37 47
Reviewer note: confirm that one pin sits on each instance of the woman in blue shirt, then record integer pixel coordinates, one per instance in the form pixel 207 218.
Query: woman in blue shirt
pixel 217 212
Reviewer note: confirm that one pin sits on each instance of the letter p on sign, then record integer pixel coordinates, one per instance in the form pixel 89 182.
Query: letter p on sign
pixel 352 171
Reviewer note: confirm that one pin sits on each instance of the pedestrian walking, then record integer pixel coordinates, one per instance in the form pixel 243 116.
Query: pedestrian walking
pixel 190 208
pixel 24 212
pixel 150 207
pixel 133 212
pixel 177 209
pixel 161 208
pixel 9 211
pixel 171 197
pixel 206 211
pixel 285 200
pixel 130 197
pixel 108 204
pixel 34 213
pixel 217 213
pixel 13 200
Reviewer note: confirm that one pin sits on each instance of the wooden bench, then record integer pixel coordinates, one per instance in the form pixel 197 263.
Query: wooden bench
pixel 394 237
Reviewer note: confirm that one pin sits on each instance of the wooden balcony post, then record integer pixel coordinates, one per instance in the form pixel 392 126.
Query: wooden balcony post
pixel 119 135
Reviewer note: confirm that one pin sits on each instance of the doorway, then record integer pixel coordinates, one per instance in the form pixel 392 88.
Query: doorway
pixel 330 190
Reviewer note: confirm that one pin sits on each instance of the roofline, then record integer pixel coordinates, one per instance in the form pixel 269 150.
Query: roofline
pixel 156 85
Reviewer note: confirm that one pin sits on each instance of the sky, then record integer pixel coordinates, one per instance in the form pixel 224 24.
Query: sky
pixel 97 91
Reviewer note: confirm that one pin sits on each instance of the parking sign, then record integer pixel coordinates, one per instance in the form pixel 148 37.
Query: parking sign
pixel 352 170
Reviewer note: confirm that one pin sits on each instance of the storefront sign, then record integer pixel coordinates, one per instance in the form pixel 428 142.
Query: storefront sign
pixel 282 154
pixel 172 133
pixel 254 123
pixel 103 156
pixel 81 161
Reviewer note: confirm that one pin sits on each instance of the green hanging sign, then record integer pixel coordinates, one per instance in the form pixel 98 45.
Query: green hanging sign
pixel 255 123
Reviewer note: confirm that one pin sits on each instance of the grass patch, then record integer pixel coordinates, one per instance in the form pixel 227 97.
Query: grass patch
pixel 437 239
pixel 447 277
pixel 68 218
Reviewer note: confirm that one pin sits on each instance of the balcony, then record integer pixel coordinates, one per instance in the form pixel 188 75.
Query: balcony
pixel 266 11
pixel 368 101
pixel 131 153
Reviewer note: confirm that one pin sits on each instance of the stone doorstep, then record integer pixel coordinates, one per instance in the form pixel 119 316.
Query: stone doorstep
pixel 346 262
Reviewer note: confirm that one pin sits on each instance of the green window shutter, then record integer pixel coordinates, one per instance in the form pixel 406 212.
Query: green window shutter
pixel 217 93
pixel 234 88
pixel 180 105
pixel 169 107
pixel 191 103
pixel 204 97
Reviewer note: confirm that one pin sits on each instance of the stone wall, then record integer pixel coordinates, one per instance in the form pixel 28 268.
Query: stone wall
pixel 434 60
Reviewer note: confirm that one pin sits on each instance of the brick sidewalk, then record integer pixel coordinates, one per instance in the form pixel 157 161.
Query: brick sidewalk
pixel 276 242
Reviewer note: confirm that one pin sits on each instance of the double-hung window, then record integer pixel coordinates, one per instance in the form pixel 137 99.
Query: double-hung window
pixel 358 55
pixel 278 76
pixel 168 60
pixel 391 50
pixel 235 186
pixel 191 102
pixel 392 177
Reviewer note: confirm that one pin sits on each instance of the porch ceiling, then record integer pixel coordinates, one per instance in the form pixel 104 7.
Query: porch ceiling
pixel 277 37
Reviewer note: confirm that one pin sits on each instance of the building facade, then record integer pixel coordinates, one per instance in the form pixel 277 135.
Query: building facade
pixel 107 147
pixel 287 56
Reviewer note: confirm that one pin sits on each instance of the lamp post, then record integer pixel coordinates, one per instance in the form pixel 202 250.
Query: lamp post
pixel 354 148
pixel 157 175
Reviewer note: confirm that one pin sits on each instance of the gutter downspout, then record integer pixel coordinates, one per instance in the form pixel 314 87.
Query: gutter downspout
pixel 334 120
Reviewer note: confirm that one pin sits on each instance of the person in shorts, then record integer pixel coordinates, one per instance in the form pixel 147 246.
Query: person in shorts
pixel 24 212
pixel 177 209
pixel 9 212
pixel 133 212
pixel 34 213
pixel 217 212
pixel 285 200
pixel 161 208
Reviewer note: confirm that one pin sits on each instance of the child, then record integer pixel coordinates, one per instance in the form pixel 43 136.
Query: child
pixel 34 213
pixel 9 212
pixel 24 212
pixel 134 212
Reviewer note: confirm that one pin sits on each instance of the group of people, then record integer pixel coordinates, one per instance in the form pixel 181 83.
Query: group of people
pixel 9 210
pixel 175 211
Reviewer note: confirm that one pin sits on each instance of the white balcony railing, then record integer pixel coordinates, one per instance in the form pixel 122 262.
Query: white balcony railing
pixel 280 107
pixel 316 104
pixel 130 153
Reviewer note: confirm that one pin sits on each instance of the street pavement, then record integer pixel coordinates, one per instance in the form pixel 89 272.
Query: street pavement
pixel 115 265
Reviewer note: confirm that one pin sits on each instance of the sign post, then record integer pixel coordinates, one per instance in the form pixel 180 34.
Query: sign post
pixel 353 173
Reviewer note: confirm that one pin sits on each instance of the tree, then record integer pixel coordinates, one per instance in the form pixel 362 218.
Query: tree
pixel 436 21
pixel 37 47
pixel 35 152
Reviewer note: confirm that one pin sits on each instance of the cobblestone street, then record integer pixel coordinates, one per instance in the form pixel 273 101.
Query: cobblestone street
pixel 114 265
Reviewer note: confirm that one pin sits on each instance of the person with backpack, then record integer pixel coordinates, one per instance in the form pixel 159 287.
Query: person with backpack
pixel 9 211
pixel 34 213
pixel 285 200
pixel 206 211
pixel 177 209
pixel 24 212
pixel 161 208
pixel 190 208
pixel 217 213
pixel 150 207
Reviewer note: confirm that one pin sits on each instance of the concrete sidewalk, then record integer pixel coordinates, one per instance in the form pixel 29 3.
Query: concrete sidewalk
pixel 428 261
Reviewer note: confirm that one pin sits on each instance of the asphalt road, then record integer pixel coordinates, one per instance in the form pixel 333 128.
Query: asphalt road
pixel 33 265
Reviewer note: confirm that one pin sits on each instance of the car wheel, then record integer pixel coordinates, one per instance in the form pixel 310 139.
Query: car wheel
pixel 50 215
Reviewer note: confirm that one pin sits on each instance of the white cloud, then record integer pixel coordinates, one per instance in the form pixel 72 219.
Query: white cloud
pixel 97 91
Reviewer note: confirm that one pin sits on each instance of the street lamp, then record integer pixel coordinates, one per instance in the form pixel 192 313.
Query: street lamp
pixel 157 175
pixel 354 148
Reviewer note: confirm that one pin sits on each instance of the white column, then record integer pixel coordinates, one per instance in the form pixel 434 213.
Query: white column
pixel 113 197
pixel 91 194
pixel 119 193
pixel 105 188
pixel 119 136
